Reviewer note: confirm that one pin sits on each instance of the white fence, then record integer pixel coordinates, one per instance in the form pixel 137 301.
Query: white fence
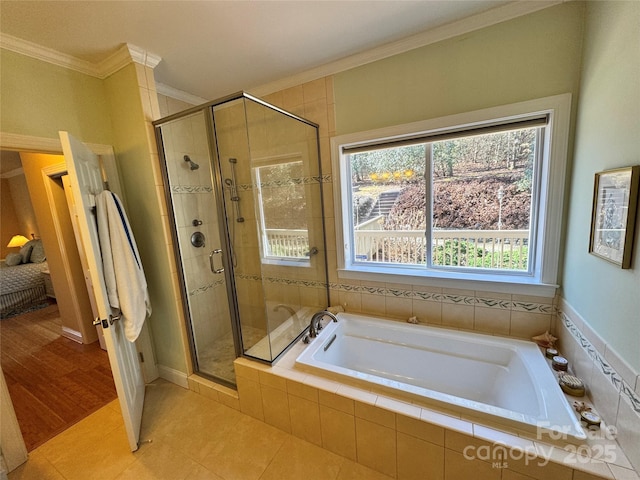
pixel 287 243
pixel 505 249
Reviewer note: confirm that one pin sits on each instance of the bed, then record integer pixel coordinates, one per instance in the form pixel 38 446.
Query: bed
pixel 22 285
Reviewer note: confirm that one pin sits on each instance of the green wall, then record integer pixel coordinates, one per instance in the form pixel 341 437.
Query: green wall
pixel 534 56
pixel 607 136
pixel 136 172
pixel 39 99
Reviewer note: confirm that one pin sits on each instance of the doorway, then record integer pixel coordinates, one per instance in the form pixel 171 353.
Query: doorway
pixel 53 381
pixel 56 372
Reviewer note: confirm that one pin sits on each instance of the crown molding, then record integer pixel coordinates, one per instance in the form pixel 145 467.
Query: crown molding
pixel 143 57
pixel 168 91
pixel 114 62
pixel 123 56
pixel 129 53
pixel 33 50
pixel 29 143
pixel 444 32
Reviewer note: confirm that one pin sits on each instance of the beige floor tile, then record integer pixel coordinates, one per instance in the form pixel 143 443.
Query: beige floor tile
pixel 109 456
pixel 60 446
pixel 300 459
pixel 201 473
pixel 159 461
pixel 245 453
pixel 199 432
pixel 37 467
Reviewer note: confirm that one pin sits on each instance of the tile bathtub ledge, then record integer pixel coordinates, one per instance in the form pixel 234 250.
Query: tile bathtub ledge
pixel 562 454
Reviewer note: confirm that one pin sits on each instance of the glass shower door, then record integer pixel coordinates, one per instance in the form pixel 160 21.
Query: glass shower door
pixel 193 210
pixel 270 167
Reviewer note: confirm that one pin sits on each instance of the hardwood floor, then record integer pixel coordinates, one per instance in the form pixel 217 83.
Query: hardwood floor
pixel 54 382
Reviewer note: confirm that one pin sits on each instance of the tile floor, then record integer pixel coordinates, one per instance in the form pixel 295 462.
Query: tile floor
pixel 191 438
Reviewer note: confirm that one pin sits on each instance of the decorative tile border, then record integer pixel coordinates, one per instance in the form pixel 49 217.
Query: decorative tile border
pixel 485 302
pixel 289 181
pixel 191 189
pixel 205 288
pixel 600 362
pixel 283 281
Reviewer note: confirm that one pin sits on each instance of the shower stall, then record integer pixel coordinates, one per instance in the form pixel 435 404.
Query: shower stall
pixel 244 194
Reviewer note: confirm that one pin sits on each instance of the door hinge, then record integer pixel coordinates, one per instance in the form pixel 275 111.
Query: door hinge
pixel 141 357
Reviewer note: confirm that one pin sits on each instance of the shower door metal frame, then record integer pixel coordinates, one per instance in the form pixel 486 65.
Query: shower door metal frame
pixel 223 220
pixel 215 180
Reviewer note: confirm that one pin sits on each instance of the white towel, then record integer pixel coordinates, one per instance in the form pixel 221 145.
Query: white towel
pixel 123 272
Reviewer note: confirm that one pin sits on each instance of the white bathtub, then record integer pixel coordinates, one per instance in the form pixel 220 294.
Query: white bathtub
pixel 481 375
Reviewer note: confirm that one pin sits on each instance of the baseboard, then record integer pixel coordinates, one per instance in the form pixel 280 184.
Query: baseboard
pixel 72 334
pixel 173 376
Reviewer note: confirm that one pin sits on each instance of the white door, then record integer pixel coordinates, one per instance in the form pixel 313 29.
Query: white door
pixel 86 182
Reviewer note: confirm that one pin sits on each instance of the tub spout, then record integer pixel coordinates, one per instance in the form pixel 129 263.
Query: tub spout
pixel 291 311
pixel 315 326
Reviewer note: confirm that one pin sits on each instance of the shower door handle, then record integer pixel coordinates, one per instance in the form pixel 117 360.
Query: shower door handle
pixel 213 268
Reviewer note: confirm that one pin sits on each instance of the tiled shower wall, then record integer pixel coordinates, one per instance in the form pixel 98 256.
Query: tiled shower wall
pixel 192 196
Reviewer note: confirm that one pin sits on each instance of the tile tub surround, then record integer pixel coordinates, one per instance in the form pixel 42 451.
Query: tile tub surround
pixel 405 440
pixel 612 385
pixel 514 315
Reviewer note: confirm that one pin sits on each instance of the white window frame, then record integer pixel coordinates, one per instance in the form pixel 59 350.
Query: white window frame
pixel 543 281
pixel 257 164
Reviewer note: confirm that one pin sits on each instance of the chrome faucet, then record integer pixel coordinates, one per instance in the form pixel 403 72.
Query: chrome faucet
pixel 315 326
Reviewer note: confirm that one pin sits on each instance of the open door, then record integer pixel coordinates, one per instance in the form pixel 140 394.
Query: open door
pixel 86 180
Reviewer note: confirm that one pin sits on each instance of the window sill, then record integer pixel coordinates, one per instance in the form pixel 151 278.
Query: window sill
pixel 513 284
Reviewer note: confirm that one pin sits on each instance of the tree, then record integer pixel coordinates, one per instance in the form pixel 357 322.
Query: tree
pixel 388 160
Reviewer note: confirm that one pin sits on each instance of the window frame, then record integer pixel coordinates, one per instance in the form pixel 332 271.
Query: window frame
pixel 267 162
pixel 548 222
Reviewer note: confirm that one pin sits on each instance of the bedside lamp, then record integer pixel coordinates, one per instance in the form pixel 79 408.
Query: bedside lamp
pixel 17 241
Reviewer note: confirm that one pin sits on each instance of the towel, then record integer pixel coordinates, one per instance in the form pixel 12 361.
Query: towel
pixel 123 273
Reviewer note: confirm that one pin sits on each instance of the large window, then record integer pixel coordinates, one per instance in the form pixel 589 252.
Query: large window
pixel 462 200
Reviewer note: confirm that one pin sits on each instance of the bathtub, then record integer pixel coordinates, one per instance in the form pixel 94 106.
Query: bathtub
pixel 503 380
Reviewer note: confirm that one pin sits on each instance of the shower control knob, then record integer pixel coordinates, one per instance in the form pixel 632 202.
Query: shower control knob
pixel 196 222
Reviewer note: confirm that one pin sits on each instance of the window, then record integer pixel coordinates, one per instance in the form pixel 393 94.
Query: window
pixel 473 197
pixel 282 211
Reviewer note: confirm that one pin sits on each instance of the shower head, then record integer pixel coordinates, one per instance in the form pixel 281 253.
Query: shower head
pixel 192 165
pixel 228 182
pixel 233 160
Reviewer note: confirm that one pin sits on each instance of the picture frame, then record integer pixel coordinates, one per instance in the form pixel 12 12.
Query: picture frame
pixel 615 202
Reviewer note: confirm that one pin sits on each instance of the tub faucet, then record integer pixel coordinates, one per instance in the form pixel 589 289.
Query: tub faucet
pixel 315 326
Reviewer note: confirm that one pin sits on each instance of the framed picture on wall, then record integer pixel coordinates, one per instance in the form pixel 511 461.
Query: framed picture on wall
pixel 615 200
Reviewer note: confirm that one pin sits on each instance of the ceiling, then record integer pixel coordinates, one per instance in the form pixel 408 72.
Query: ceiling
pixel 214 48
